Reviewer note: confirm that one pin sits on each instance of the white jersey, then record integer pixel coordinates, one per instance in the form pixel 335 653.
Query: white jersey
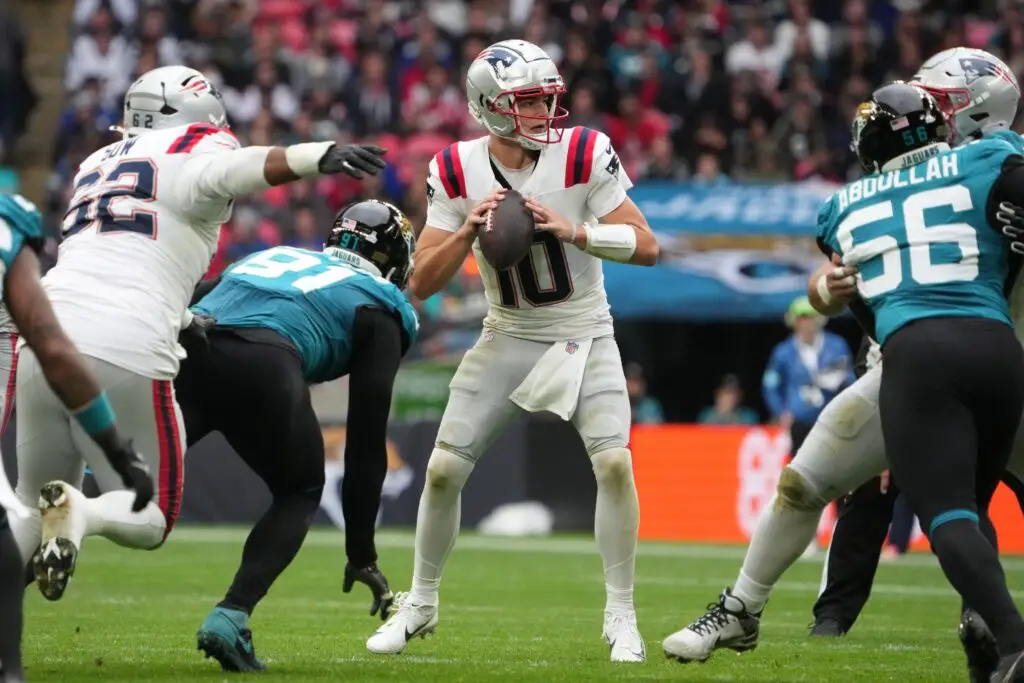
pixel 139 234
pixel 557 292
pixel 6 322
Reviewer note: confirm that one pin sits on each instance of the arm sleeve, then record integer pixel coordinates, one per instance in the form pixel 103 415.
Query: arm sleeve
pixel 1008 187
pixel 771 383
pixel 219 170
pixel 443 212
pixel 608 180
pixel 376 354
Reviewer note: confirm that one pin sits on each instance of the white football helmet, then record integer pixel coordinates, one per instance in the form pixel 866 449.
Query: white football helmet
pixel 505 73
pixel 974 88
pixel 171 96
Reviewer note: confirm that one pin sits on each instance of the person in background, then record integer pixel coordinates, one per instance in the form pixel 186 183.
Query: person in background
pixel 805 372
pixel 728 408
pixel 646 409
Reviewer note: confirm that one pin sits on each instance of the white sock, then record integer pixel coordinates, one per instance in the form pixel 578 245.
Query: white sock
pixel 781 536
pixel 27 530
pixel 111 516
pixel 616 524
pixel 437 522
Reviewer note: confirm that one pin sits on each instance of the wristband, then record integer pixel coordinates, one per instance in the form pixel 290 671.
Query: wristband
pixel 822 287
pixel 611 241
pixel 304 158
pixel 97 416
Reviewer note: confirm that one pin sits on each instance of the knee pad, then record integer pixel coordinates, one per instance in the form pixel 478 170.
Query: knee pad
pixel 613 468
pixel 447 471
pixel 795 492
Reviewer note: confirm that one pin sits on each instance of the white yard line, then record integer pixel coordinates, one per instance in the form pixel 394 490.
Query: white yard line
pixel 554 544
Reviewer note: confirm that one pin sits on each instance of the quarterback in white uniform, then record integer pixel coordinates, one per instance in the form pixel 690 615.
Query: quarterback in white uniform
pixel 139 234
pixel 547 341
pixel 845 447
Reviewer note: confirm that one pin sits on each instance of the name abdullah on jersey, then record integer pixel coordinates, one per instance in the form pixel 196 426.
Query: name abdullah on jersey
pixel 557 291
pixel 922 236
pixel 140 231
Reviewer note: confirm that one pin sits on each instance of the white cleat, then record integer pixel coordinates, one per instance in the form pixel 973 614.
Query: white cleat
pixel 623 637
pixel 409 621
pixel 726 624
pixel 62 516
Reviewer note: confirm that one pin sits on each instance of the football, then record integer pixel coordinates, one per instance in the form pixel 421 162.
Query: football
pixel 508 233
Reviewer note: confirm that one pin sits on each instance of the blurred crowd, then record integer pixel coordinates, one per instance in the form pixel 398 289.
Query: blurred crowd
pixel 698 91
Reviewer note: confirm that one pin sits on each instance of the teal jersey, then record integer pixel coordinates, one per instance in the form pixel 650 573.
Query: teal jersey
pixel 22 224
pixel 921 237
pixel 309 298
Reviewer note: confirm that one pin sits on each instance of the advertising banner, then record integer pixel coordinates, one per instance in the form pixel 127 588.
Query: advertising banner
pixel 709 484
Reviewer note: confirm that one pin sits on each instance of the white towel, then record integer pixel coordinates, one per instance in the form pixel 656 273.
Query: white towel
pixel 8 498
pixel 554 383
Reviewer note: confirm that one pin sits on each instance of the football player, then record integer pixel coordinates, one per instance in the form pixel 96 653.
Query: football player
pixel 952 386
pixel 287 318
pixel 139 234
pixel 547 341
pixel 67 374
pixel 845 447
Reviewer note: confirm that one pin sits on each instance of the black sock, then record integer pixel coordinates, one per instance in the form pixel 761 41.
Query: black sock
pixel 988 530
pixel 972 565
pixel 270 548
pixel 12 591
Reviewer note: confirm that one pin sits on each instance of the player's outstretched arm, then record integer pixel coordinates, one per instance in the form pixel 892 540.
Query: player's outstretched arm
pixel 226 174
pixel 621 235
pixel 440 253
pixel 67 374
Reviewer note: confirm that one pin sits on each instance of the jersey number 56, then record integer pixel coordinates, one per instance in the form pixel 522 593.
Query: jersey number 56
pixel 920 239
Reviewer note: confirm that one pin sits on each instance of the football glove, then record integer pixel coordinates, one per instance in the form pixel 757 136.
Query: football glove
pixel 127 462
pixel 383 598
pixel 355 160
pixel 193 338
pixel 1011 219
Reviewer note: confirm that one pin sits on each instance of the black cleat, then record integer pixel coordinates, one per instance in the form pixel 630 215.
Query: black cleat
pixel 1010 670
pixel 827 628
pixel 979 646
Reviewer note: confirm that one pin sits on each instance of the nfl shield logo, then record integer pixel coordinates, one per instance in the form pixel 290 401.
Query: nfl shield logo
pixel 570 347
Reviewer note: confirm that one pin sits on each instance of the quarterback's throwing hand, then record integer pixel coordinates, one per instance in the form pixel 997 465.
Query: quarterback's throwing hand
pixel 478 215
pixel 549 220
pixel 354 160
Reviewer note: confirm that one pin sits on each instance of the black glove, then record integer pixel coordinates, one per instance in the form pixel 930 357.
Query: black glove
pixel 129 464
pixel 1011 219
pixel 355 160
pixel 383 598
pixel 193 337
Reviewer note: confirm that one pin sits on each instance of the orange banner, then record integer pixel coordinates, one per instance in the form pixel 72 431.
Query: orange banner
pixel 709 484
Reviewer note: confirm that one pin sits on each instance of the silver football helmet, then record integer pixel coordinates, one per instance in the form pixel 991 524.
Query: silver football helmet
pixel 975 89
pixel 506 73
pixel 171 96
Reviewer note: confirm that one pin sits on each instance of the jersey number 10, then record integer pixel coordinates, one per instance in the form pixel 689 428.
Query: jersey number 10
pixel 535 294
pixel 920 239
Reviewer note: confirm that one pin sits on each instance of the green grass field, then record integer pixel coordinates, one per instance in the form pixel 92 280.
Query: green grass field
pixel 511 610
